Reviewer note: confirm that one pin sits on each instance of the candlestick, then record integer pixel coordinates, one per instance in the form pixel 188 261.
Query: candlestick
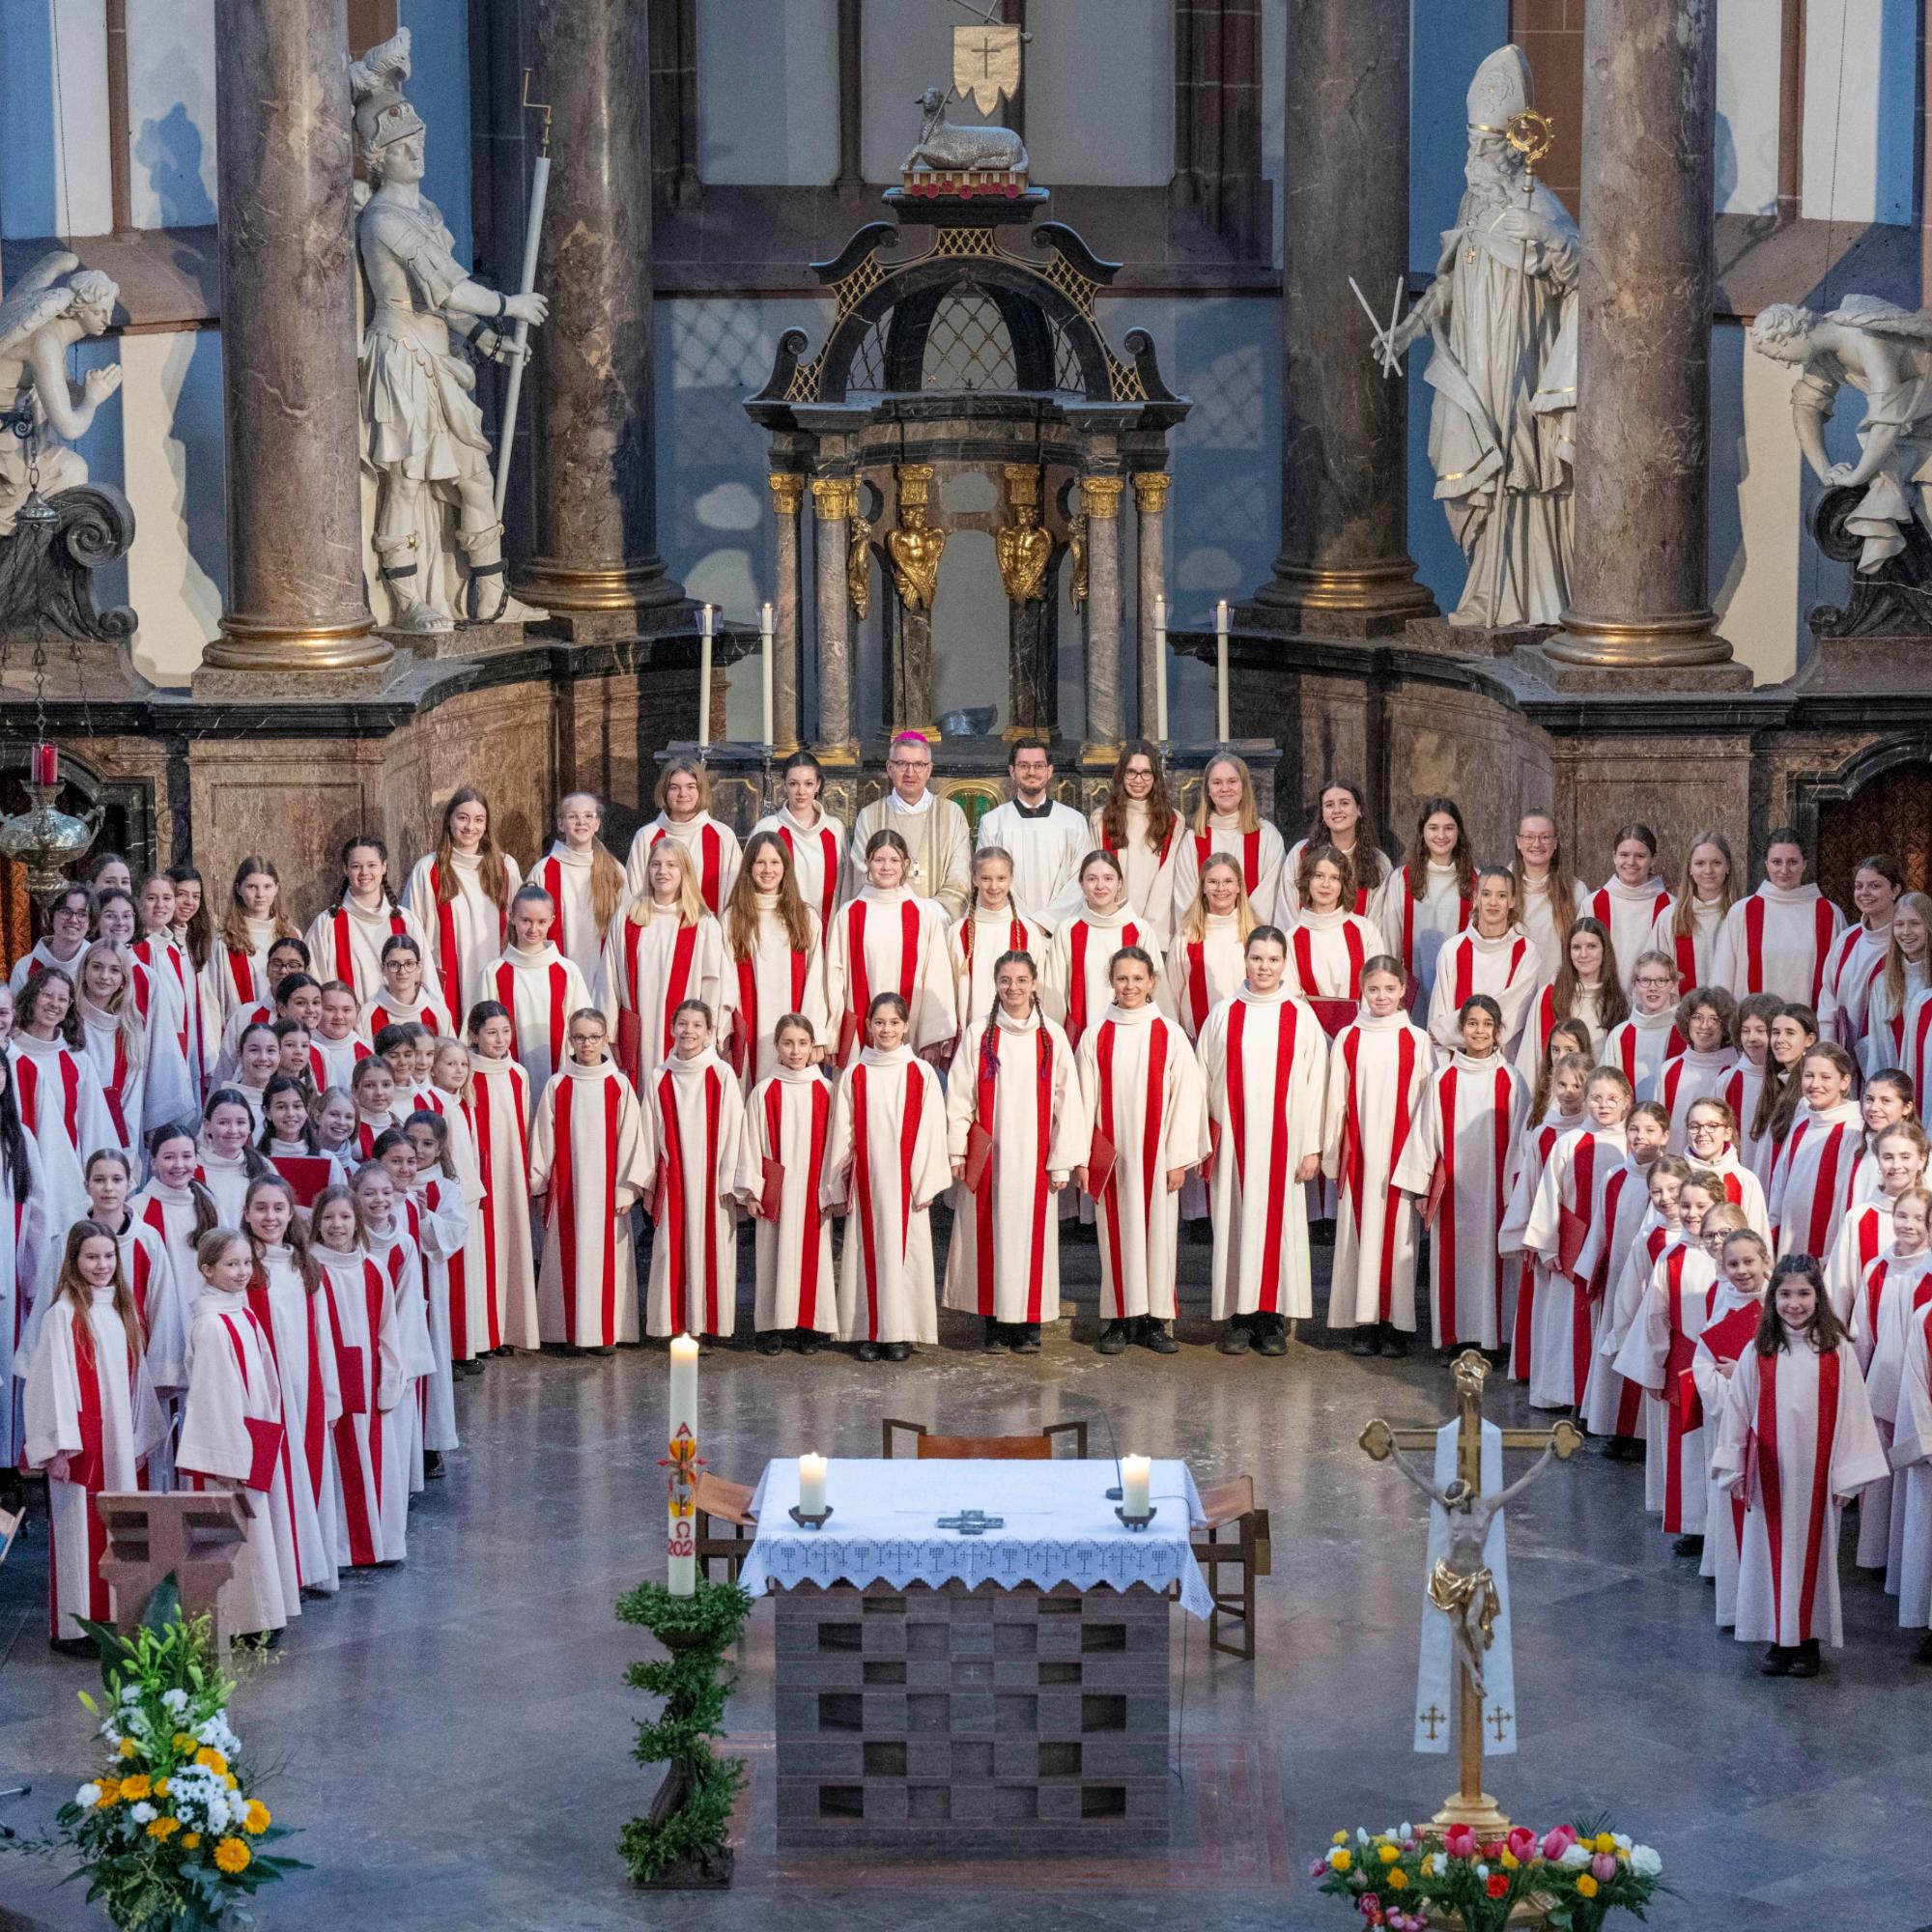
pixel 706 621
pixel 681 1546
pixel 1136 1475
pixel 1221 673
pixel 1161 671
pixel 765 667
pixel 811 1485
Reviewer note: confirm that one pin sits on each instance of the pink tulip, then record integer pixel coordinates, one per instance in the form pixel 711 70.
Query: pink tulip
pixel 1459 1841
pixel 1559 1841
pixel 1603 1866
pixel 1318 1867
pixel 1522 1843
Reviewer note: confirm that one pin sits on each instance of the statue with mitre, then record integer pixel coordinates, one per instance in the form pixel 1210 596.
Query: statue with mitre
pixel 1501 321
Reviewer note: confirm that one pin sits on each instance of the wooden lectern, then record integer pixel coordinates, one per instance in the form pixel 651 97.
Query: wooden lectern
pixel 193 1535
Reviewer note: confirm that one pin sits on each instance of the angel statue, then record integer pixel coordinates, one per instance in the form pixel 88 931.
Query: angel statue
pixel 1501 321
pixel 1885 352
pixel 53 305
pixel 422 430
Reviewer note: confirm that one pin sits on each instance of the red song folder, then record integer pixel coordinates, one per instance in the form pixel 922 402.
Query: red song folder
pixel 978 1157
pixel 264 1439
pixel 1100 1157
pixel 307 1174
pixel 771 1188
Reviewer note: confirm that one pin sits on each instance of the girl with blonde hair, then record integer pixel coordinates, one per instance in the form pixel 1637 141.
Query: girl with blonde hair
pixel 665 949
pixel 683 798
pixel 1227 819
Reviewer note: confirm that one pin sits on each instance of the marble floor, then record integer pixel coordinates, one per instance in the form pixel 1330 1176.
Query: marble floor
pixel 453 1738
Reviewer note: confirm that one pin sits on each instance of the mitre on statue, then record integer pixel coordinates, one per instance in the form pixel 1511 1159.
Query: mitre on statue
pixel 1502 89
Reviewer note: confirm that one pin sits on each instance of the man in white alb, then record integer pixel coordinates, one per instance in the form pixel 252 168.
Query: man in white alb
pixel 933 828
pixel 1047 841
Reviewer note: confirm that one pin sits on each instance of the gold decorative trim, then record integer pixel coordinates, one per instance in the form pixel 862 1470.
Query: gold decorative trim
pixel 1151 487
pixel 1622 643
pixel 842 754
pixel 614 587
pixel 915 482
pixel 245 646
pixel 787 489
pixel 1100 495
pixel 835 498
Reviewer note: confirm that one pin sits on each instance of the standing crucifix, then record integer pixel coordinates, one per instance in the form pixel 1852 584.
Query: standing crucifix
pixel 1461 1585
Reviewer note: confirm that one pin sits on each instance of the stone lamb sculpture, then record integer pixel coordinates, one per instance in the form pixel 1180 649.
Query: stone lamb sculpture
pixel 949 150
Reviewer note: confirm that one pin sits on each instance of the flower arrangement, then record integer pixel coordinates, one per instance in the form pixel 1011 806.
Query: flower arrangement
pixel 169 1833
pixel 684 1840
pixel 1407 1879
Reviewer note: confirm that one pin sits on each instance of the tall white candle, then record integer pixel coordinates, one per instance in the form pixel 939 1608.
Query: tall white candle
pixel 765 667
pixel 1161 671
pixel 1136 1473
pixel 681 1548
pixel 811 1485
pixel 1221 671
pixel 707 619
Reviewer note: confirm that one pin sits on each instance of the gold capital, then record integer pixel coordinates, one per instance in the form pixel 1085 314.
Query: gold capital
pixel 835 497
pixel 1151 487
pixel 915 482
pixel 1101 495
pixel 1022 482
pixel 787 489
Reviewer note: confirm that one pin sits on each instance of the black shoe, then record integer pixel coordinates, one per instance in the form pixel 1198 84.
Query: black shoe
pixel 1199 1233
pixel 868 1351
pixel 1924 1654
pixel 1271 1338
pixel 1623 1449
pixel 72 1646
pixel 1234 1339
pixel 1688 1546
pixel 806 1341
pixel 1366 1342
pixel 1777 1661
pixel 1394 1340
pixel 1155 1335
pixel 772 1342
pixel 433 1465
pixel 1113 1340
pixel 1807 1663
pixel 897 1352
pixel 994 1341
pixel 1023 1336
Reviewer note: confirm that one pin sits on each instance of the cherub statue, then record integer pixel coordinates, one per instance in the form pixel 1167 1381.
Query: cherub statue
pixel 1885 352
pixel 1022 547
pixel 859 565
pixel 914 546
pixel 423 432
pixel 53 305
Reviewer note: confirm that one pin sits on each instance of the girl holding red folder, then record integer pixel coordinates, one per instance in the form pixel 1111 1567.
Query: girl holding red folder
pixel 787 1120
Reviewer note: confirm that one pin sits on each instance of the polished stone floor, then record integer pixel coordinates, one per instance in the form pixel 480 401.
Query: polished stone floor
pixel 453 1738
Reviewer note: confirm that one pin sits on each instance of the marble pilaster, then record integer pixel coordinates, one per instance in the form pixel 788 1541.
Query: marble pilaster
pixel 1151 487
pixel 1101 498
pixel 787 497
pixel 834 499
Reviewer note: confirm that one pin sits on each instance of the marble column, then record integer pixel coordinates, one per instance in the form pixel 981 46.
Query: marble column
pixel 1344 569
pixel 296 597
pixel 1101 498
pixel 834 499
pixel 596 562
pixel 1639 593
pixel 787 495
pixel 1150 486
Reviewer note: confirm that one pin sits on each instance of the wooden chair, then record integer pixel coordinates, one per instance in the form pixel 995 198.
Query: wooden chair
pixel 1034 1448
pixel 719 1501
pixel 1249 1550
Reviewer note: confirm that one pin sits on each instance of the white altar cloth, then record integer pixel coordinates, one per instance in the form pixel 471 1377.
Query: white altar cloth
pixel 1056 1526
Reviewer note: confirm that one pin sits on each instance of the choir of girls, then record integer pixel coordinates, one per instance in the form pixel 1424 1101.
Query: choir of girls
pixel 277 1191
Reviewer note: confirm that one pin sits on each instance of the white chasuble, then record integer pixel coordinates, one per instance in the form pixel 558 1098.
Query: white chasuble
pixel 695 1122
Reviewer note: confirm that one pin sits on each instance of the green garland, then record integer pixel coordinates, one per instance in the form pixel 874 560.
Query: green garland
pixel 687 1829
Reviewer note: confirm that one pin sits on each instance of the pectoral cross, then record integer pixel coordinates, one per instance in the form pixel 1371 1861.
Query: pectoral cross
pixel 1470 1514
pixel 1432 1718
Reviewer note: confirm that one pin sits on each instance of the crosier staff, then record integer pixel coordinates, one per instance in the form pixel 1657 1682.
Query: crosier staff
pixel 518 353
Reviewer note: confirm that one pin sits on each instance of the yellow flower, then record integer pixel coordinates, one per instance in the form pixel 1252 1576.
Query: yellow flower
pixel 1396 1880
pixel 164 1828
pixel 1391 1853
pixel 1509 1861
pixel 128 1748
pixel 257 1820
pixel 111 1793
pixel 1586 1886
pixel 232 1856
pixel 190 1840
pixel 136 1786
pixel 1340 1860
pixel 211 1759
pixel 182 1743
pixel 160 1787
pixel 1340 1838
pixel 1604 1843
pixel 233 1782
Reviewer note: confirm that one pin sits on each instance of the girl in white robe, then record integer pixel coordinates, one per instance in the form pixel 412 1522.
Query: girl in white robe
pixel 336 1046
pixel 811 835
pixel 1227 819
pixel 774 959
pixel 1706 1022
pixel 177 997
pixel 1796 1441
pixel 24 1235
pixel 1857 960
pixel 442 1208
pixel 499 1099
pixel 471 1291
pixel 683 798
pixel 1547 895
pixel 179 1210
pixel 236 973
pixel 60 1100
pixel 695 1111
pixel 665 949
pixel 1076 987
pixel 1687 933
pixel 1014 1081
pixel 462 892
pixel 886 941
pixel 373 1088
pixel 69 919
pixel 1709 1144
pixel 1473 1116
pixel 231 1435
pixel 92 1422
pixel 991 927
pixel 1630 902
pixel 1556 1109
pixel 1139 825
pixel 112 1037
pixel 1911 1459
pixel 1780 939
pixel 1492 955
pixel 1898 1157
pixel 591 1160
pixel 390 1227
pixel 1880 1310
pixel 1341 823
pixel 227 1160
pixel 283 1293
pixel 788 1122
pixel 1639 1044
pixel 1811 1182
pixel 1743 1267
pixel 149 1273
pixel 1206 964
pixel 1743 1088
pixel 1146 1096
pixel 154 1001
pixel 1588 987
pixel 584 881
pixel 1329 944
pixel 348 939
pixel 402 996
pixel 1429 901
pixel 1612 1407
pixel 885 1166
pixel 1896 1019
pixel 539 987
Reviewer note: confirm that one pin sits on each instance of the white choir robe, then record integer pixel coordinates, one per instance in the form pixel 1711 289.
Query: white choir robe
pixel 1416 929
pixel 1373 872
pixel 1888 1287
pixel 975 945
pixel 166 1092
pixel 174 1092
pixel 169 1214
pixel 24 1259
pixel 346 943
pixel 1260 854
pixel 1020 1082
pixel 231 1382
pixel 885 1163
pixel 695 1119
pixel 237 976
pixel 468 935
pixel 1681 1079
pixel 1532 1154
pixel 64 1114
pixel 1628 913
pixel 565 875
pixel 227 1060
pixel 306 1364
pixel 1149 868
pixel 397 1249
pixel 1563 1319
pixel 370 1436
pixel 1712 1363
pixel 774 981
pixel 789 1120
pixel 443 1231
pixel 1694 951
pixel 1864 1229
pixel 889 943
pixel 149 1271
pixel 1199 974
pixel 1327 952
pixel 1611 1404
pixel 938 843
pixel 1811 1185
pixel 332 1062
pixel 470 1287
pixel 227 1180
pixel 30 965
pixel 650 968
pixel 591 1159
pixel 1046 853
pixel 1540 1022
pixel 1638 1048
pixel 1853 968
pixel 1374 1147
pixel 817 859
pixel 1075 989
pixel 121 1075
pixel 1797 1437
pixel 1678 1304
pixel 1146 1094
pixel 1473 1116
pixel 710 844
pixel 1507 969
pixel 542 990
pixel 500 1101
pixel 1896 1031
pixel 1911 1459
pixel 1742 1086
pixel 1539 920
pixel 1626 1304
pixel 382 1012
pixel 1777 942
pixel 87 1397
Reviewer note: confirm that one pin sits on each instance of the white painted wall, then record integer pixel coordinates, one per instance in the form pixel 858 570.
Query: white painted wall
pixel 439 87
pixel 1756 550
pixel 1749 55
pixel 1859 72
pixel 768 92
pixel 171 155
pixel 1100 93
pixel 1447 45
pixel 54 175
pixel 906 48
